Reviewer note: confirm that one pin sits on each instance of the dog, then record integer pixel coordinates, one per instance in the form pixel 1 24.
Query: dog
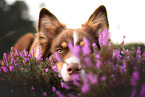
pixel 53 36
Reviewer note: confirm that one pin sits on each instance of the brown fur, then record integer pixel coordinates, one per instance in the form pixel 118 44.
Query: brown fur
pixel 52 33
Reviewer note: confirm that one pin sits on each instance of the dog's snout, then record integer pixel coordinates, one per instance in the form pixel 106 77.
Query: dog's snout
pixel 73 69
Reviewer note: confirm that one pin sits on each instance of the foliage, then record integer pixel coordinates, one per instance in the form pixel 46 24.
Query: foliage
pixel 109 72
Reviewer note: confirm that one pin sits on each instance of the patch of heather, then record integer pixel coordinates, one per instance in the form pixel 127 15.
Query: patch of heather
pixel 110 72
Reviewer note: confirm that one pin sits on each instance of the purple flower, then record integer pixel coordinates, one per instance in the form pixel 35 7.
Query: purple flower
pixel 85 48
pixel 75 50
pixel 59 94
pixel 94 47
pixel 133 93
pixel 11 68
pixel 53 89
pixel 71 95
pixel 117 54
pixel 104 38
pixel 142 92
pixel 5 69
pixel 98 64
pixel 121 69
pixel 12 61
pixel 138 55
pixel 44 93
pixel 54 68
pixel 16 64
pixel 93 78
pixel 12 54
pixel 76 78
pixel 65 85
pixel 12 48
pixel 46 69
pixel 59 75
pixel 103 78
pixel 40 53
pixel 86 87
pixel 32 88
pixel 88 62
pixel 135 78
pixel 12 91
pixel 57 56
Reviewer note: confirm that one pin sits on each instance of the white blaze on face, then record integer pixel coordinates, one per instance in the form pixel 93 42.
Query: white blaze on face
pixel 75 37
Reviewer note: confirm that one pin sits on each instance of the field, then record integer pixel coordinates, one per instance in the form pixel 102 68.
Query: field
pixel 113 71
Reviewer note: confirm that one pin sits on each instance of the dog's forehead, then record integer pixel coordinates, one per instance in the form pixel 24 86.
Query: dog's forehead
pixel 69 35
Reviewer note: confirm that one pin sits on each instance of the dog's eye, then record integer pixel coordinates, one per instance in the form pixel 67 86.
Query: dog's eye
pixel 59 50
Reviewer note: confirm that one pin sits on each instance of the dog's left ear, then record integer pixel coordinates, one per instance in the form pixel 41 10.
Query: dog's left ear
pixel 98 21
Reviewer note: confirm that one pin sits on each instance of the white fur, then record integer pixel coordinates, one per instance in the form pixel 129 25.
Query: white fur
pixel 72 60
pixel 75 37
pixel 64 73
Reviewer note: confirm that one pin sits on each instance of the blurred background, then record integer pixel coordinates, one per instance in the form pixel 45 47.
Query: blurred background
pixel 18 17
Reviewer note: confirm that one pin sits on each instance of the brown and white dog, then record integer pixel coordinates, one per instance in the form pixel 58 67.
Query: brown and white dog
pixel 53 36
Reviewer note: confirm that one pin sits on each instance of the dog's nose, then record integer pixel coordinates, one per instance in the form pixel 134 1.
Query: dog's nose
pixel 73 69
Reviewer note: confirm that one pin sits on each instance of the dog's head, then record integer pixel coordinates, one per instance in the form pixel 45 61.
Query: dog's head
pixel 53 36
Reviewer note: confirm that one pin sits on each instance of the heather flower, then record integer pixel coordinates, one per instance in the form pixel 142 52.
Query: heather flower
pixel 135 78
pixel 103 78
pixel 133 93
pixel 59 94
pixel 76 79
pixel 98 64
pixel 86 87
pixel 142 92
pixel 54 68
pixel 75 50
pixel 65 85
pixel 88 62
pixel 44 93
pixel 71 95
pixel 32 88
pixel 12 54
pixel 104 38
pixel 138 55
pixel 12 61
pixel 94 47
pixel 5 69
pixel 93 78
pixel 11 68
pixel 16 64
pixel 46 69
pixel 85 48
pixel 53 89
pixel 117 54
pixel 40 53
pixel 12 91
pixel 57 56
pixel 122 69
pixel 59 75
pixel 124 37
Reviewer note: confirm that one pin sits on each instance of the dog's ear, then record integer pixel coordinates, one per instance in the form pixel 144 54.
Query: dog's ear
pixel 49 24
pixel 48 27
pixel 98 21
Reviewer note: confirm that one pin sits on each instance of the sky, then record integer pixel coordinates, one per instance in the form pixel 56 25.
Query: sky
pixel 126 17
